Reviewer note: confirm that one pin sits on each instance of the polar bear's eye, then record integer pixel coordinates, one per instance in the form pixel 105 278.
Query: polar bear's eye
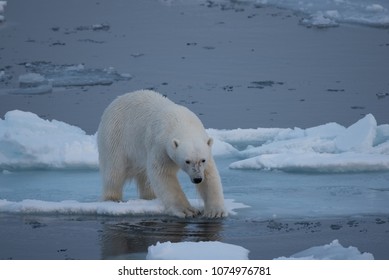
pixel 203 160
pixel 187 161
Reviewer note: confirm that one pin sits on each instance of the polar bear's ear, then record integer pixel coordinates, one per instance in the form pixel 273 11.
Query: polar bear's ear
pixel 210 141
pixel 175 143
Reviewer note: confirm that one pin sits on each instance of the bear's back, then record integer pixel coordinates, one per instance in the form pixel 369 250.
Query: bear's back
pixel 151 105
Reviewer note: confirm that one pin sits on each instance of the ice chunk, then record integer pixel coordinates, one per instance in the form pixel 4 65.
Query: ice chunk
pixel 209 250
pixel 321 13
pixel 328 131
pixel 319 20
pixel 316 162
pixel 3 4
pixel 382 134
pixel 239 136
pixel 298 145
pixel 27 141
pixel 100 27
pixel 42 89
pixel 220 148
pixel 359 136
pixel 31 80
pixel 32 83
pixel 375 8
pixel 332 251
pixel 325 148
pixel 75 74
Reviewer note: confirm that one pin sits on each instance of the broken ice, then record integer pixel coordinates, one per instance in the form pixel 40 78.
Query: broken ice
pixel 66 75
pixel 42 76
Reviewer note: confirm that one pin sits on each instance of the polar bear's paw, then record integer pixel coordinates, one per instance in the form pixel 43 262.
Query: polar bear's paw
pixel 185 212
pixel 215 212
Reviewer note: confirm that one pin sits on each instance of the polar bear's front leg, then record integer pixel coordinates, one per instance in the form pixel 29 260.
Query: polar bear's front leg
pixel 211 192
pixel 168 190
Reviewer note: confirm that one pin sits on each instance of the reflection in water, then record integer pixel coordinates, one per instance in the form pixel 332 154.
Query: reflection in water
pixel 130 238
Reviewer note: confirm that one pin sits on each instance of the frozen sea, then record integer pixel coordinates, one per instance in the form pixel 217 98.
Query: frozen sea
pixel 295 95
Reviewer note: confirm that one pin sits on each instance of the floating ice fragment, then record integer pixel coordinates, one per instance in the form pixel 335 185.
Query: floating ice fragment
pixel 327 131
pixel 382 134
pixel 316 162
pixel 31 80
pixel 332 251
pixel 319 20
pixel 32 83
pixel 207 250
pixel 362 147
pixel 42 89
pixel 3 4
pixel 324 14
pixel 75 74
pixel 100 27
pixel 359 136
pixel 27 141
pixel 376 8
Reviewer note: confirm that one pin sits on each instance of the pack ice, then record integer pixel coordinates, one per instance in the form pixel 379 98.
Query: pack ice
pixel 361 147
pixel 28 141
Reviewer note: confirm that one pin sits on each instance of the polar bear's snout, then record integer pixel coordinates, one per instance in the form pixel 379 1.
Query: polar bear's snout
pixel 197 180
pixel 195 170
pixel 196 176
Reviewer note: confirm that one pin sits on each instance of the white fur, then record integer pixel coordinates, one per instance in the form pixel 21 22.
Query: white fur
pixel 146 137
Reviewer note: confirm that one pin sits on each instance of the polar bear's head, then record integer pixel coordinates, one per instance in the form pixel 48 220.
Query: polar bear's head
pixel 191 156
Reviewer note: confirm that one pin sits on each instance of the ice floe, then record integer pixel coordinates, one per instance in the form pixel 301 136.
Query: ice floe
pixel 361 147
pixel 318 13
pixel 204 250
pixel 332 251
pixel 73 207
pixel 42 76
pixel 3 4
pixel 27 141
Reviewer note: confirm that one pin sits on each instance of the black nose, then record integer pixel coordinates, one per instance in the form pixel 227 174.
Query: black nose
pixel 197 180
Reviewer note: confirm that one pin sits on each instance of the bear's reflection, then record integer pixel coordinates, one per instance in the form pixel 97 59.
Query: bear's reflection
pixel 131 237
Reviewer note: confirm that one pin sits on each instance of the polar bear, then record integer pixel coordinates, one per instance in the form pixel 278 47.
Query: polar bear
pixel 145 136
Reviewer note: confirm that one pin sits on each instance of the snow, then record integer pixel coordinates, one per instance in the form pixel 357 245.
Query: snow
pixel 205 250
pixel 68 207
pixel 215 250
pixel 332 251
pixel 28 141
